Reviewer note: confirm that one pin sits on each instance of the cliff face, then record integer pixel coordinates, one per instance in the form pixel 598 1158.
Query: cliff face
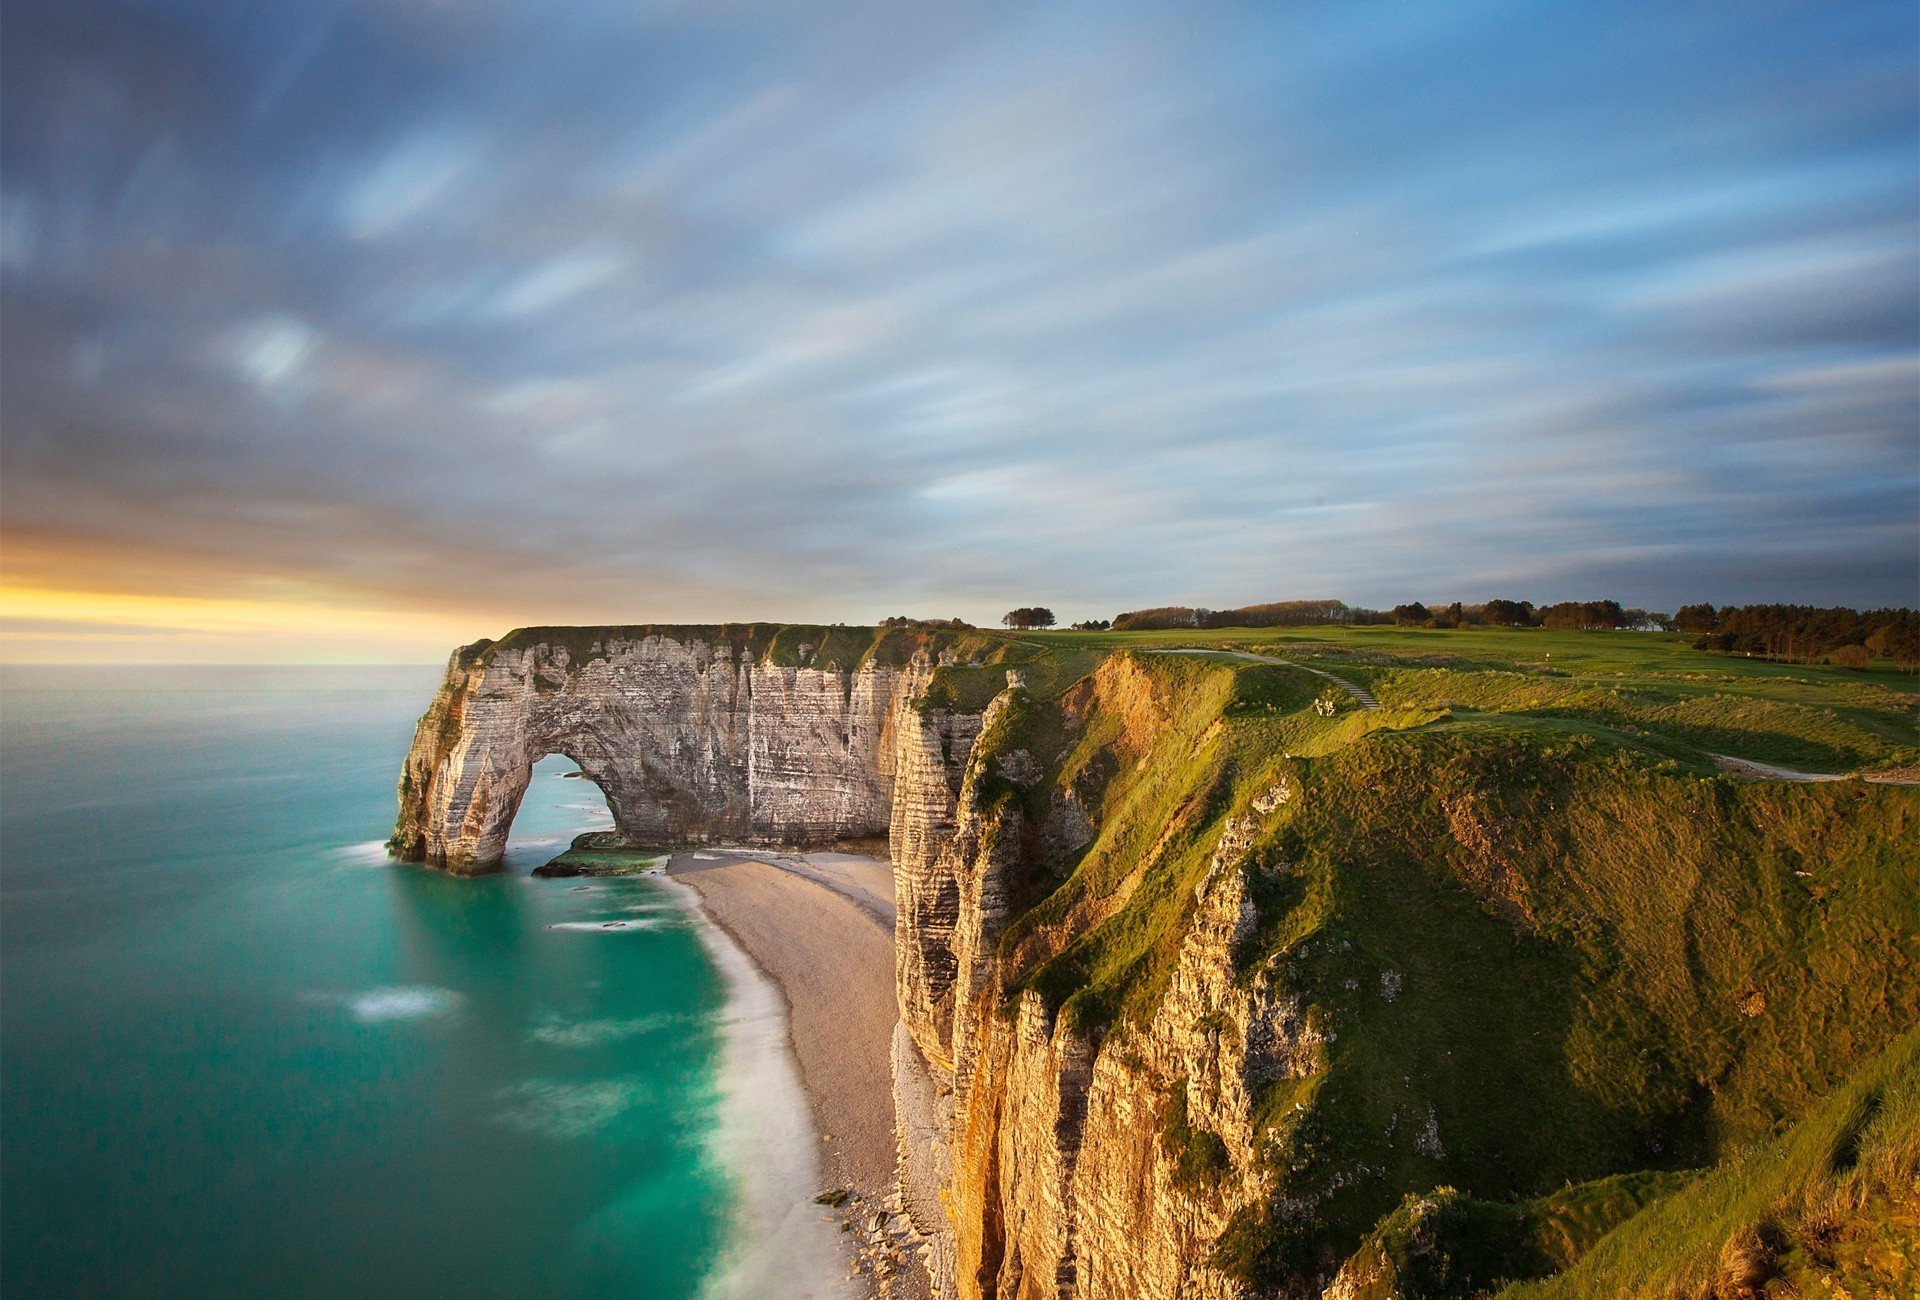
pixel 696 736
pixel 1063 1180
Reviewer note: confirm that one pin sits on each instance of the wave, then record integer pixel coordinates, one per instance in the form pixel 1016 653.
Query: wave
pixel 622 923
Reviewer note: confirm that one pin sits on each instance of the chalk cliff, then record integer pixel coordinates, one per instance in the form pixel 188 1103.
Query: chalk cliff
pixel 742 734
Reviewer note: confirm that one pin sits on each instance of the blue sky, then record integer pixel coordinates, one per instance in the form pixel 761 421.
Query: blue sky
pixel 393 322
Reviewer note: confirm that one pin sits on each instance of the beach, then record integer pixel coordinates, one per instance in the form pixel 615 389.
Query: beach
pixel 819 926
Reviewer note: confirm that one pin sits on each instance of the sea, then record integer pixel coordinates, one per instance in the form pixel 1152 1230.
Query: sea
pixel 243 1054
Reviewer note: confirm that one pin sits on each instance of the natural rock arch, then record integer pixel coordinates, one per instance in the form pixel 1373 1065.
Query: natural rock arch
pixel 695 736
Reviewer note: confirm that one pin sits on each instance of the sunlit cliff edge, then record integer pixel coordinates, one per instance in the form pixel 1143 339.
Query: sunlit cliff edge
pixel 1232 986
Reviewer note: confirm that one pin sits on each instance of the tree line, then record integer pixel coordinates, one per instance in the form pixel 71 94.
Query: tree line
pixel 1592 614
pixel 1792 633
pixel 1806 633
pixel 1283 613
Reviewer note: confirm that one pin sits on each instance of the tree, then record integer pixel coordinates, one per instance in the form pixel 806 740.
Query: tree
pixel 1455 616
pixel 1898 641
pixel 1093 625
pixel 1508 613
pixel 1029 616
pixel 1414 615
pixel 1696 618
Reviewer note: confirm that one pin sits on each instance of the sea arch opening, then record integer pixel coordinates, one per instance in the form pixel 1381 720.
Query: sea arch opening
pixel 561 801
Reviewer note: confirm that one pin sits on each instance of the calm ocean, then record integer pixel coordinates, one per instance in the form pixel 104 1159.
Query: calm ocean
pixel 244 1055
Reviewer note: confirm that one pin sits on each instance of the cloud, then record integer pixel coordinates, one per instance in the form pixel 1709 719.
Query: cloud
pixel 740 311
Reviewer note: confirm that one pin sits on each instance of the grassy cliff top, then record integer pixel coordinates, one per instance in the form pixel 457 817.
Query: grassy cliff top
pixel 1527 907
pixel 1644 690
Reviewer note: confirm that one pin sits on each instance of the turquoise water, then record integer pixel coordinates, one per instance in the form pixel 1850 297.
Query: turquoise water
pixel 242 1055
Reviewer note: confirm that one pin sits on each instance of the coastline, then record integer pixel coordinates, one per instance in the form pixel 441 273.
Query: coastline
pixel 816 932
pixel 783 1247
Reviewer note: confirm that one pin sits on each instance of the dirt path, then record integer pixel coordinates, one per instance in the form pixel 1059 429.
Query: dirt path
pixel 1748 769
pixel 1360 693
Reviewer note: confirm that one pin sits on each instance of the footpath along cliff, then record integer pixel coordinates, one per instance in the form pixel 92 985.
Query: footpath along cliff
pixel 1212 979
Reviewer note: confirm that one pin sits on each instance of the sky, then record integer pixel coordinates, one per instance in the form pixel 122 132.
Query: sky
pixel 357 329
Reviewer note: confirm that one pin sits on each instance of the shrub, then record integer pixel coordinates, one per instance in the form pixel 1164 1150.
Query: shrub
pixel 1851 656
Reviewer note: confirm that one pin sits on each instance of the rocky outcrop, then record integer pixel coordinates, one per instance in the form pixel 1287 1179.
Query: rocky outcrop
pixel 696 736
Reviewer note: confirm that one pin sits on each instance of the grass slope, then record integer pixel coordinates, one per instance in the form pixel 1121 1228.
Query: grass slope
pixel 1831 1208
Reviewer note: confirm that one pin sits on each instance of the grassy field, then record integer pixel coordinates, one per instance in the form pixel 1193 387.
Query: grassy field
pixel 1646 689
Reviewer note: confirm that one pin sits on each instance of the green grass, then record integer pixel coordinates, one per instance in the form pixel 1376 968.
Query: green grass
pixel 1200 1159
pixel 1650 690
pixel 1576 928
pixel 1836 1200
pixel 1160 774
pixel 1446 1245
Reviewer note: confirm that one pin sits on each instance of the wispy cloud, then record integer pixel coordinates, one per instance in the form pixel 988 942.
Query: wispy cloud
pixel 746 310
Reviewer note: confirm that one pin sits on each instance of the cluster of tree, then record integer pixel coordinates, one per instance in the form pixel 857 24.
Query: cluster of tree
pixel 1507 613
pixel 945 624
pixel 1593 615
pixel 1587 615
pixel 1093 625
pixel 1282 613
pixel 1418 615
pixel 1029 616
pixel 1805 633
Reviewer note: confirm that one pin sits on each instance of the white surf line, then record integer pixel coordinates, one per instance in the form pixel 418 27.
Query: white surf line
pixel 781 1248
pixel 1361 695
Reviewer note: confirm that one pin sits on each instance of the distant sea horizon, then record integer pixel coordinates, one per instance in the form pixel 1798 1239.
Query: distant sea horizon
pixel 245 1054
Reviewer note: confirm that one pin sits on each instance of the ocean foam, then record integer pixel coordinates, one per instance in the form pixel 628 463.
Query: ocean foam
pixel 584 1034
pixel 371 853
pixel 780 1246
pixel 567 1109
pixel 375 1006
pixel 598 927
